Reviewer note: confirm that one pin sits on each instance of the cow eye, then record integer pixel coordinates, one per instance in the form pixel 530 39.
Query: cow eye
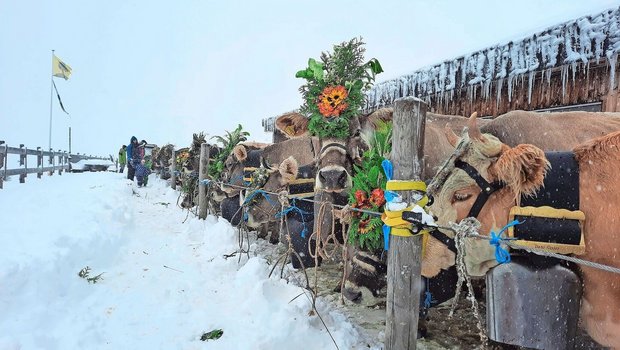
pixel 460 197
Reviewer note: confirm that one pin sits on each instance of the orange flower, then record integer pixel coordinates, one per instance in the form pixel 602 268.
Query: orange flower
pixel 360 196
pixel 331 101
pixel 376 197
pixel 364 226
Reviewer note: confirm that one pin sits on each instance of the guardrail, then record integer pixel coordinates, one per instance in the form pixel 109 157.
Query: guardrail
pixel 57 161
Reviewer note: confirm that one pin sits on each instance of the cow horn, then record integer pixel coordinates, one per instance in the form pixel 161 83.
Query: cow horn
pixel 473 129
pixel 453 138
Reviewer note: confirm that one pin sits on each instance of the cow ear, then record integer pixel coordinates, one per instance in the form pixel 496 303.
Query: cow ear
pixel 288 170
pixel 522 168
pixel 382 115
pixel 292 125
pixel 240 153
pixel 356 148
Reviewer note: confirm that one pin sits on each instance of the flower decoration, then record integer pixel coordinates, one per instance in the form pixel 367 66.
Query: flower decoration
pixel 332 101
pixel 335 86
pixel 368 192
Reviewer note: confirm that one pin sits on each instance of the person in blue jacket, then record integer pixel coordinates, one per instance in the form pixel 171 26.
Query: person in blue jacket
pixel 132 157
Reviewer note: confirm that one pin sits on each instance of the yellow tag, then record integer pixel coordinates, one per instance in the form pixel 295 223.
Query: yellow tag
pixel 405 185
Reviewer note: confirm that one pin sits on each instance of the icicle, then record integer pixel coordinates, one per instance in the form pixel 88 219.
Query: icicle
pixel 564 73
pixel 612 76
pixel 530 84
pixel 500 83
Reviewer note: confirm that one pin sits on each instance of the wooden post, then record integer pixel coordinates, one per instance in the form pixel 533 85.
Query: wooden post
pixel 173 170
pixel 202 175
pixel 405 253
pixel 39 162
pixel 3 155
pixel 60 163
pixel 23 161
pixel 51 161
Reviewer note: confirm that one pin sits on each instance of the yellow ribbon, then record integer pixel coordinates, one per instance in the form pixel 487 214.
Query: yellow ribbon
pixel 402 228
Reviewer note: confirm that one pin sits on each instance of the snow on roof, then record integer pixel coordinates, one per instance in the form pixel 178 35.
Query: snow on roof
pixel 586 39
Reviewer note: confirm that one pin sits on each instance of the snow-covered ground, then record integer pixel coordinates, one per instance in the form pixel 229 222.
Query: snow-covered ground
pixel 165 279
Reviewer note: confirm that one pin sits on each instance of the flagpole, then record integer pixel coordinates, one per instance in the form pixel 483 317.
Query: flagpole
pixel 51 99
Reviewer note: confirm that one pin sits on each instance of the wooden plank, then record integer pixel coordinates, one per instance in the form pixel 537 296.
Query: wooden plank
pixel 405 253
pixel 202 175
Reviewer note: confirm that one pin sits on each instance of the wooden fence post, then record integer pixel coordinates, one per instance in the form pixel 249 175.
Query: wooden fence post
pixel 173 170
pixel 202 175
pixel 51 162
pixel 23 161
pixel 39 162
pixel 60 163
pixel 3 155
pixel 405 253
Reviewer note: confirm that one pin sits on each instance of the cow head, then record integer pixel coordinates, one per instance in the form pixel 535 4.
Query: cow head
pixel 517 171
pixel 264 207
pixel 336 157
pixel 242 156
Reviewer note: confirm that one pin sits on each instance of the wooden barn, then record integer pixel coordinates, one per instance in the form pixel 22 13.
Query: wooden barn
pixel 567 67
pixel 570 66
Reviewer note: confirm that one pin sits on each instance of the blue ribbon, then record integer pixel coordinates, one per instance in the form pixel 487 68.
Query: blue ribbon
pixel 386 237
pixel 294 208
pixel 428 300
pixel 502 255
pixel 205 182
pixel 388 170
pixel 249 198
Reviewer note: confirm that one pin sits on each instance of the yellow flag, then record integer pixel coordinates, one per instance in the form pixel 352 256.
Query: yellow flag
pixel 60 69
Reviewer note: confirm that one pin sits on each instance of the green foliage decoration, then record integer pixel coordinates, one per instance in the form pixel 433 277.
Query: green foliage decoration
pixel 335 86
pixel 228 142
pixel 369 183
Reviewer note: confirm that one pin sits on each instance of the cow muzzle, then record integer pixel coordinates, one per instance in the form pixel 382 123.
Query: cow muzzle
pixel 333 179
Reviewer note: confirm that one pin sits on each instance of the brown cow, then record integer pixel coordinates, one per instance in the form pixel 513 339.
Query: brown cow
pixel 522 168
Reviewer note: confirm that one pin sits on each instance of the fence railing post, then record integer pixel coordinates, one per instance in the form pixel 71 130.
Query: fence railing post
pixel 50 157
pixel 202 175
pixel 3 155
pixel 173 170
pixel 23 161
pixel 61 165
pixel 39 162
pixel 405 253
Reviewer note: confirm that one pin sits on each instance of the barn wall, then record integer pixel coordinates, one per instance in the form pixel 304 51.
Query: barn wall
pixel 559 89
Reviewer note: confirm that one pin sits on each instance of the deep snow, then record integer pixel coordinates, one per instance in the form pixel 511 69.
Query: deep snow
pixel 165 278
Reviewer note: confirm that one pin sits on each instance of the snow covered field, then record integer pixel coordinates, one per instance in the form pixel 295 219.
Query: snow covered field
pixel 165 282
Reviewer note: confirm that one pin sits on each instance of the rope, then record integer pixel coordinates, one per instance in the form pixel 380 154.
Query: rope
pixel 463 276
pixel 452 229
pixel 465 226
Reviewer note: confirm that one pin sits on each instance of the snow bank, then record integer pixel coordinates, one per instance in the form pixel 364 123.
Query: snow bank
pixel 92 164
pixel 166 280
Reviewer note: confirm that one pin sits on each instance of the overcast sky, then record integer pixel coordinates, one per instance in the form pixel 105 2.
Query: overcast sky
pixel 161 70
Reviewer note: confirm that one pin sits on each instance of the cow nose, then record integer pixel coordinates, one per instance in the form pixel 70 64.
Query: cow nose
pixel 335 179
pixel 342 180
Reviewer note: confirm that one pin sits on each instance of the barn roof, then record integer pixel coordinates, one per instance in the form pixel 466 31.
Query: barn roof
pixel 567 45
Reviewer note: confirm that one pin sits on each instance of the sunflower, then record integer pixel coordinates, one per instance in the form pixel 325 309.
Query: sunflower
pixel 331 101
